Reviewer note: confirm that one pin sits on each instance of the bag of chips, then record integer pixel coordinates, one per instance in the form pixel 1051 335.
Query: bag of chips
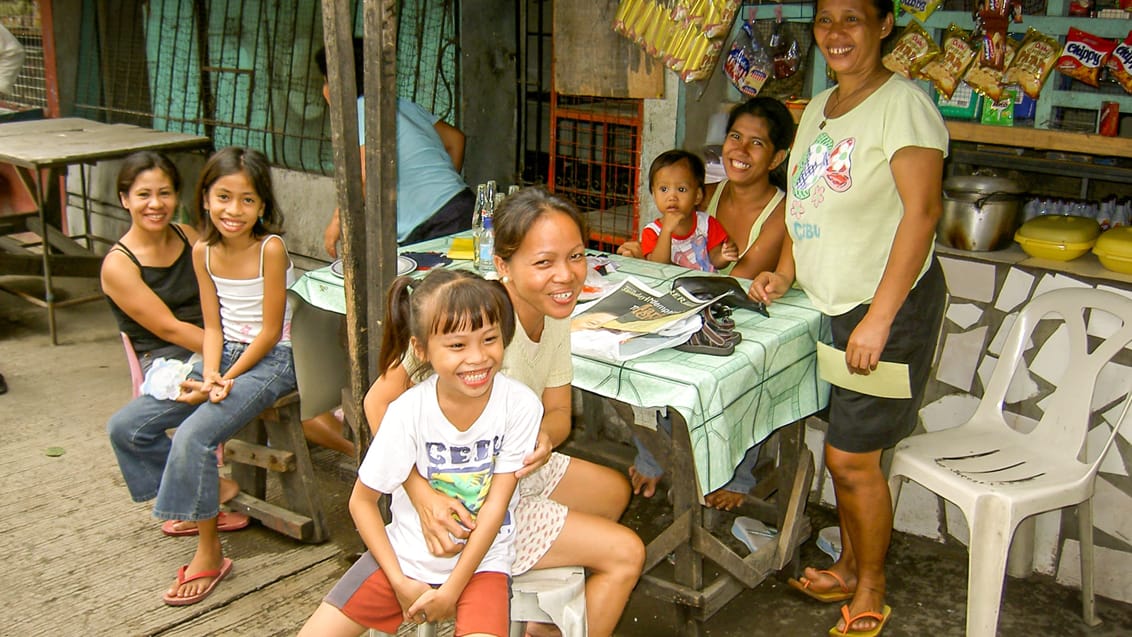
pixel 1084 56
pixel 1032 64
pixel 986 80
pixel 947 68
pixel 1120 63
pixel 747 65
pixel 920 9
pixel 914 48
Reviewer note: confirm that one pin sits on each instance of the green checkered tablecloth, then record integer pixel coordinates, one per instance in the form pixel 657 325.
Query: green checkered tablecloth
pixel 729 403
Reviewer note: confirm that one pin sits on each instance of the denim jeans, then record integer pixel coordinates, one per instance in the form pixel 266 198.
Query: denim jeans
pixel 181 472
pixel 648 466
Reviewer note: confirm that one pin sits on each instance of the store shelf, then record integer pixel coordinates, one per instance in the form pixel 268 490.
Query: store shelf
pixel 1041 139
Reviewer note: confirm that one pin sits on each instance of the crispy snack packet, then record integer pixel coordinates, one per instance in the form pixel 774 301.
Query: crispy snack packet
pixel 1120 63
pixel 1084 56
pixel 1033 62
pixel 914 48
pixel 920 9
pixel 987 80
pixel 946 70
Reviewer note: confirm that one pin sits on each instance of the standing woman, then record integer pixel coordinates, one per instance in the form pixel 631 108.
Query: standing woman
pixel 568 509
pixel 862 208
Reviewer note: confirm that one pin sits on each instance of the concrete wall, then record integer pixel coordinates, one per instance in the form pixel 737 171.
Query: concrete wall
pixel 488 92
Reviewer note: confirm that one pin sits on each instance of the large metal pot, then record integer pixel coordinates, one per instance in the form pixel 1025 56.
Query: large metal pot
pixel 979 213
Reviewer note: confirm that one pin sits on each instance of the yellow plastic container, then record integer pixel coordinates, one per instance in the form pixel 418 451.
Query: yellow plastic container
pixel 1114 249
pixel 1057 237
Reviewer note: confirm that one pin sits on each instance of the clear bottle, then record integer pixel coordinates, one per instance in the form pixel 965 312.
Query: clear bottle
pixel 476 224
pixel 484 260
pixel 512 189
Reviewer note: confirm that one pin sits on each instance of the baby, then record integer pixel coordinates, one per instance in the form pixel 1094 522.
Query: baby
pixel 683 235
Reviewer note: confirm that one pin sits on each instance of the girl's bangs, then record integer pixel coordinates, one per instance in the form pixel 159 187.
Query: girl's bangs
pixel 463 308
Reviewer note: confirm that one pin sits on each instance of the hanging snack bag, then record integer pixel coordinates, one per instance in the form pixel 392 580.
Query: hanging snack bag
pixel 747 64
pixel 784 50
pixel 1033 62
pixel 914 48
pixel 987 80
pixel 1120 63
pixel 1084 56
pixel 946 70
pixel 920 9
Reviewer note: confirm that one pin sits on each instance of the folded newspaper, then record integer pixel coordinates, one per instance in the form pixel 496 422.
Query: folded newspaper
pixel 632 320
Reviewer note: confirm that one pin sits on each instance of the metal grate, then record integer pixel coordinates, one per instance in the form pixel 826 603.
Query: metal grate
pixel 242 71
pixel 30 89
pixel 595 153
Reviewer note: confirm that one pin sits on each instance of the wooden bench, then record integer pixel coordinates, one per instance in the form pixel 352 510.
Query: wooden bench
pixel 274 441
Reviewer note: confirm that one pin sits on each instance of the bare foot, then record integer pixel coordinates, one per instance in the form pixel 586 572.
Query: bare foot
pixel 822 582
pixel 864 611
pixel 724 500
pixel 228 489
pixel 542 630
pixel 641 484
pixel 203 560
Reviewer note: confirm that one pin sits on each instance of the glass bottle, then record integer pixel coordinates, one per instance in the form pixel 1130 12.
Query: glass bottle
pixel 485 235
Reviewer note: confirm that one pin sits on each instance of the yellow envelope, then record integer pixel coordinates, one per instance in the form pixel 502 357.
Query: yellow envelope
pixel 463 248
pixel 888 380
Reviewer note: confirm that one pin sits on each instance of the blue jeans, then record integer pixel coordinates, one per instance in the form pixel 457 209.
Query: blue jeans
pixel 181 472
pixel 647 465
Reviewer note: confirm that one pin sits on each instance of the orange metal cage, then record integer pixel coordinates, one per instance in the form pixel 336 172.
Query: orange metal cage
pixel 595 154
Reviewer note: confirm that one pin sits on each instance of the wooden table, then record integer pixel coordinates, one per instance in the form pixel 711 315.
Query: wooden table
pixel 720 407
pixel 34 147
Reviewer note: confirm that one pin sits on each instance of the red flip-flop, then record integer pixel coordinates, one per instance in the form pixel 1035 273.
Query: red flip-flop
pixel 217 575
pixel 226 521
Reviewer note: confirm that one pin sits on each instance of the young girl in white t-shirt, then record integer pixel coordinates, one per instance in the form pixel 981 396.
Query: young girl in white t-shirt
pixel 466 429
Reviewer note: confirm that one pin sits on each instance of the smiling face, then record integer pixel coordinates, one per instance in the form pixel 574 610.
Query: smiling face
pixel 233 205
pixel 546 272
pixel 151 200
pixel 748 153
pixel 465 361
pixel 675 189
pixel 849 35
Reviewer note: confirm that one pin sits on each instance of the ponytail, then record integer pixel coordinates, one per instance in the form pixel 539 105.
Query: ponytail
pixel 398 325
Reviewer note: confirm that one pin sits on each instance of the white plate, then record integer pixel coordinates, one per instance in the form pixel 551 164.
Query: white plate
pixel 405 265
pixel 336 269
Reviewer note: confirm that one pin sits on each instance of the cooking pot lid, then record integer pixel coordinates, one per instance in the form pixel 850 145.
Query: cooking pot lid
pixel 1060 229
pixel 982 184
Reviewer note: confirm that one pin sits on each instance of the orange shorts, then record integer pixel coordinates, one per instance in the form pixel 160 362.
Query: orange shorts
pixel 365 596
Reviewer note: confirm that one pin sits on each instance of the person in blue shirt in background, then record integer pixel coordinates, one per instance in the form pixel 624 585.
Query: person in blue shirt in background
pixel 432 198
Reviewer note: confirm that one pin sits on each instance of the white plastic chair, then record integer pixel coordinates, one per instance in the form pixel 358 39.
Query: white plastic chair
pixel 550 595
pixel 999 476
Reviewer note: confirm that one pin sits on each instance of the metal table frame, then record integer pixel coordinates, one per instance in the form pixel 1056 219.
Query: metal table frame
pixel 39 146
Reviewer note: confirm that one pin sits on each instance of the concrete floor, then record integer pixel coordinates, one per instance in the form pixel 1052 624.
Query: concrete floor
pixel 81 558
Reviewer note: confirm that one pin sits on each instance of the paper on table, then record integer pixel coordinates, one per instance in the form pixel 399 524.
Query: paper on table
pixel 462 249
pixel 888 380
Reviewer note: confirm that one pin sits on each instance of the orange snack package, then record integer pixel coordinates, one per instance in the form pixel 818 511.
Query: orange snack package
pixel 987 80
pixel 1084 56
pixel 1120 63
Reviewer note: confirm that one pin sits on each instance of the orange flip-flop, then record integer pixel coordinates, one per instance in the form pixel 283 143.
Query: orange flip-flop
pixel 217 575
pixel 881 617
pixel 803 584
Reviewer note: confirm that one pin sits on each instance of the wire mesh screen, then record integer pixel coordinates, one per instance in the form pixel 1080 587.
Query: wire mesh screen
pixel 595 157
pixel 242 72
pixel 30 89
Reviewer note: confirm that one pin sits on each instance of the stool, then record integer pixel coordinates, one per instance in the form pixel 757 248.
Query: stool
pixel 550 595
pixel 274 441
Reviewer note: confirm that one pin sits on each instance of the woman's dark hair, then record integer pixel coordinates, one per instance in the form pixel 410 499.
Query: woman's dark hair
pixel 141 161
pixel 672 157
pixel 359 65
pixel 779 125
pixel 252 163
pixel 521 209
pixel 442 302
